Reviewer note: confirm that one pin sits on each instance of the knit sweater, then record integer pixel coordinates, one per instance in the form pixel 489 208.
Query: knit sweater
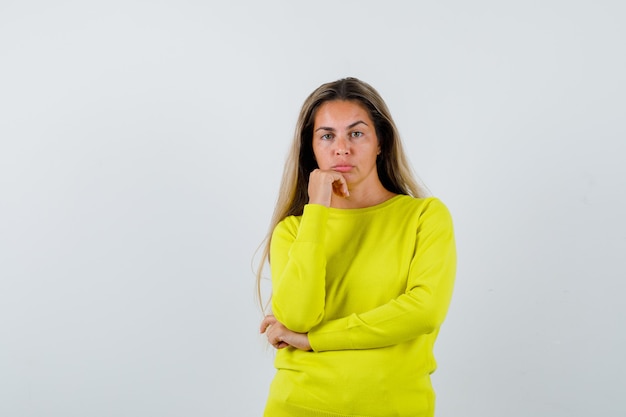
pixel 371 287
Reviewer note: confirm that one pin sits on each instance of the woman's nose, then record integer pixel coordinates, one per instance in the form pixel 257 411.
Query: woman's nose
pixel 342 147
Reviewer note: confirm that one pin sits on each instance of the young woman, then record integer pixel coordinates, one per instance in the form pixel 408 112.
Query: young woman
pixel 362 266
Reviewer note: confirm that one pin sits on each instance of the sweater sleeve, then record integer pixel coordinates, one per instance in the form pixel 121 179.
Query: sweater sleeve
pixel 298 267
pixel 420 310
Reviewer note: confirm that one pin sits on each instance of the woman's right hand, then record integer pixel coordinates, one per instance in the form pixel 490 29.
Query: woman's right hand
pixel 323 184
pixel 280 337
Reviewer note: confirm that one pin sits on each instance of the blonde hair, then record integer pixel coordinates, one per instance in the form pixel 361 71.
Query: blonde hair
pixel 394 171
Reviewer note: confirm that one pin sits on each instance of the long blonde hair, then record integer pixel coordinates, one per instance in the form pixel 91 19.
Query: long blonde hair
pixel 394 171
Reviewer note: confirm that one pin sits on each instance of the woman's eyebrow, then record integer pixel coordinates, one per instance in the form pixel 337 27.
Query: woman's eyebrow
pixel 357 123
pixel 332 129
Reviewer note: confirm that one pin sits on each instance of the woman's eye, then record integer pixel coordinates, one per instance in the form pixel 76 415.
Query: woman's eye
pixel 327 136
pixel 357 134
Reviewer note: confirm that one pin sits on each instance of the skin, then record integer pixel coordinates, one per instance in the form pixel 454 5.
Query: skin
pixel 345 146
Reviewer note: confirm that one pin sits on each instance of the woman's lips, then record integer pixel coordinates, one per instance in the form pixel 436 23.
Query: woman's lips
pixel 342 168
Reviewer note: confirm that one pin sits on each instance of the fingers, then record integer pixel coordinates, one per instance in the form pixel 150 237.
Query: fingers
pixel 340 187
pixel 324 184
pixel 274 331
pixel 273 334
pixel 275 338
pixel 280 345
pixel 281 337
pixel 266 323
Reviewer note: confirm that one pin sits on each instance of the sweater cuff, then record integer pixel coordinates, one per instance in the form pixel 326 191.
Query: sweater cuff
pixel 331 335
pixel 313 224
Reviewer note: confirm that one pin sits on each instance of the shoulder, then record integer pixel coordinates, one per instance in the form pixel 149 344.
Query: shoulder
pixel 422 206
pixel 288 225
pixel 425 215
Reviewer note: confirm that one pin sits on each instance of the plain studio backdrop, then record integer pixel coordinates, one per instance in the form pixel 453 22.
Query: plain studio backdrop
pixel 142 144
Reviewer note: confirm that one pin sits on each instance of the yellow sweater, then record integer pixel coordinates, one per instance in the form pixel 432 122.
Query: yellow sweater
pixel 371 287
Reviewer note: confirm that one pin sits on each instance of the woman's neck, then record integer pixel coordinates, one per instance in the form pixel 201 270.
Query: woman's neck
pixel 362 197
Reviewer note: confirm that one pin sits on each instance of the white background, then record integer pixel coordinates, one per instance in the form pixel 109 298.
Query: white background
pixel 142 144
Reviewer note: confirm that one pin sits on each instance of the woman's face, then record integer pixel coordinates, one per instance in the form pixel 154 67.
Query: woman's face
pixel 345 141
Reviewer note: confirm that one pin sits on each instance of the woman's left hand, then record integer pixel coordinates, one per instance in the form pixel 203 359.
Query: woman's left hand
pixel 280 337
